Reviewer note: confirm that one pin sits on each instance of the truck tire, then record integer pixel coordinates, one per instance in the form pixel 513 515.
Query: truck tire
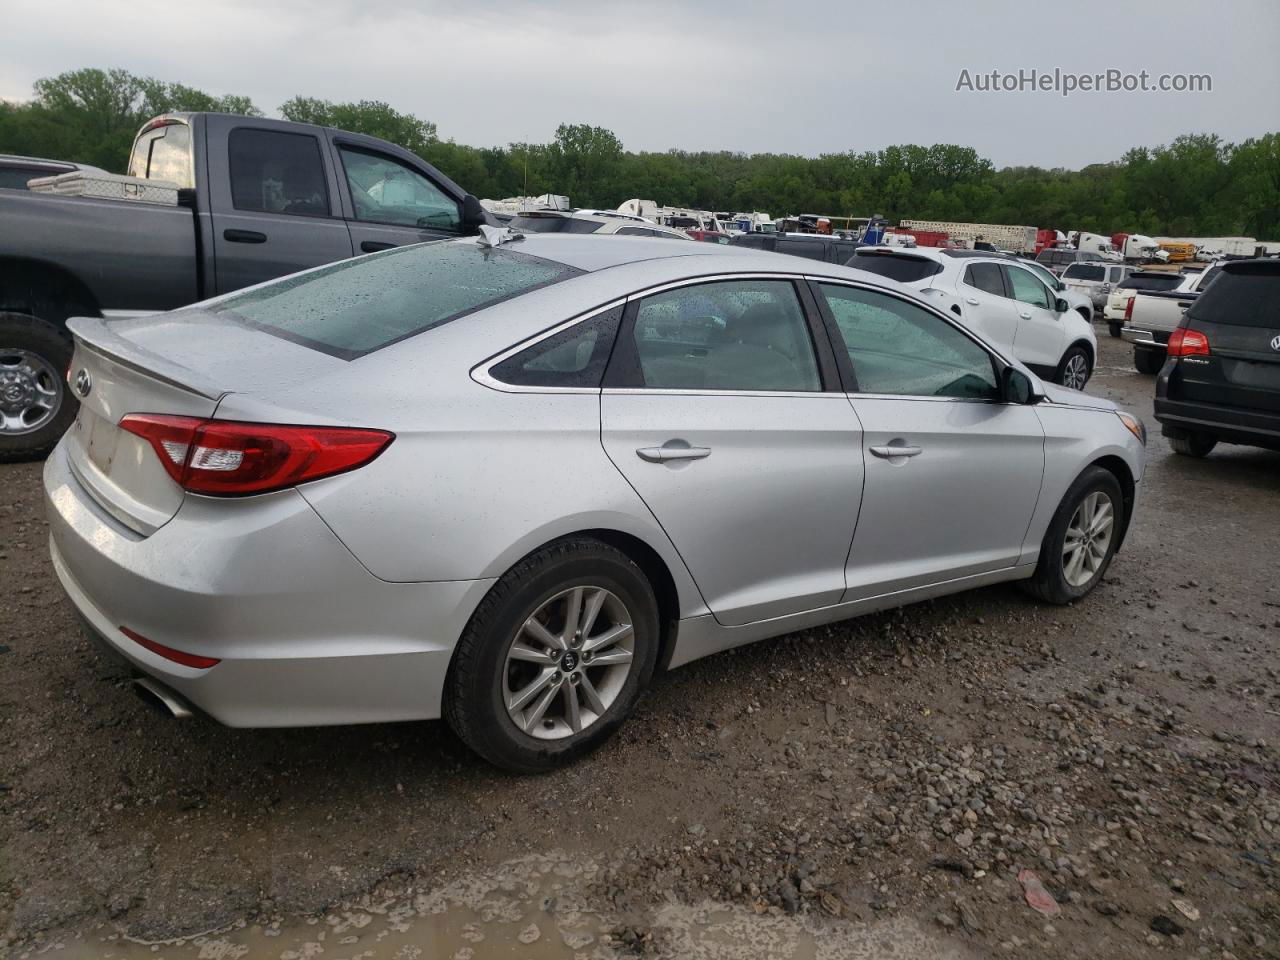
pixel 35 405
pixel 1113 327
pixel 1147 361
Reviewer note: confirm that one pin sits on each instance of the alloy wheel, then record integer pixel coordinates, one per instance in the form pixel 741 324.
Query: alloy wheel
pixel 1088 538
pixel 30 391
pixel 568 662
pixel 1076 373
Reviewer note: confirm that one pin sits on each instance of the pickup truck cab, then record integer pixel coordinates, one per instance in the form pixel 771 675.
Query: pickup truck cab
pixel 1153 315
pixel 256 199
pixel 1095 279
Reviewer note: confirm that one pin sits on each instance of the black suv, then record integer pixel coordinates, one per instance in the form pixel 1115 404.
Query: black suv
pixel 1221 381
pixel 814 246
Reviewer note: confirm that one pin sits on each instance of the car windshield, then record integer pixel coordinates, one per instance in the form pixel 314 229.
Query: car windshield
pixel 896 266
pixel 554 225
pixel 350 308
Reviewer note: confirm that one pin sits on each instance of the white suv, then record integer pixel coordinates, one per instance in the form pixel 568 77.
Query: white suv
pixel 1096 279
pixel 1001 298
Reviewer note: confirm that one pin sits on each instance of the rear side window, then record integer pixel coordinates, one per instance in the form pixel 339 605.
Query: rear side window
pixel 1247 295
pixel 1162 282
pixel 16 178
pixel 896 266
pixel 554 225
pixel 986 277
pixel 276 172
pixel 810 249
pixel 1084 271
pixel 352 307
pixel 575 357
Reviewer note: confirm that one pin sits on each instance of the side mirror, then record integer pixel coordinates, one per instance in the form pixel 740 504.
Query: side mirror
pixel 1059 285
pixel 1016 387
pixel 474 216
pixel 1061 306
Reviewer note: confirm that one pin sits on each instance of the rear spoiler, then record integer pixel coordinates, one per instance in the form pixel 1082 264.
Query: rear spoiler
pixel 94 334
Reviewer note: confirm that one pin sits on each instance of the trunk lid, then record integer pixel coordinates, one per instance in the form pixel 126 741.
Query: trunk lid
pixel 182 364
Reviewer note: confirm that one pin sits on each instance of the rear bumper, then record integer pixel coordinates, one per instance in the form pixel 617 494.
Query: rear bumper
pixel 1229 424
pixel 305 635
pixel 1140 337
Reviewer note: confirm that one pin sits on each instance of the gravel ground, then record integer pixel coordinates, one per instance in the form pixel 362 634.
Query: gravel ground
pixel 902 769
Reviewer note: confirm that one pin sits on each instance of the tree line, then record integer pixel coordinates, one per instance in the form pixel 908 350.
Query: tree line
pixel 1198 185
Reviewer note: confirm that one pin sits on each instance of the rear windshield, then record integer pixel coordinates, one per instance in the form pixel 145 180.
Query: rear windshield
pixel 554 225
pixel 1247 295
pixel 1167 281
pixel 353 307
pixel 895 266
pixel 1084 271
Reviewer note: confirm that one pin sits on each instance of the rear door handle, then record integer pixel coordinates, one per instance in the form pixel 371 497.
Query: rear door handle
pixel 373 246
pixel 893 451
pixel 971 301
pixel 244 236
pixel 664 454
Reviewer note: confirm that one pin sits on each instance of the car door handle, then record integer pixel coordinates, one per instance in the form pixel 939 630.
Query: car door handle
pixel 971 301
pixel 373 246
pixel 665 454
pixel 892 451
pixel 244 236
pixel 1025 316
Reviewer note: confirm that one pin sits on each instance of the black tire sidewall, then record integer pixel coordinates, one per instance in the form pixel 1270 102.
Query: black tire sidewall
pixel 1050 572
pixel 1113 329
pixel 1066 358
pixel 489 728
pixel 46 340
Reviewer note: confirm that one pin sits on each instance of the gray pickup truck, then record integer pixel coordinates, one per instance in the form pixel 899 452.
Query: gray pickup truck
pixel 257 199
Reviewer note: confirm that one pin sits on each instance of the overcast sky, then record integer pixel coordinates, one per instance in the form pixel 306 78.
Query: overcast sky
pixel 795 77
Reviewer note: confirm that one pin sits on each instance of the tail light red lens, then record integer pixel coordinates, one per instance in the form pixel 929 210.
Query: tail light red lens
pixel 1188 343
pixel 228 458
pixel 169 653
pixel 1128 308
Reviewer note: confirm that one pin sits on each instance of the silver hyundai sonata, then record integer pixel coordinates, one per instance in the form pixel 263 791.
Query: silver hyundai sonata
pixel 504 482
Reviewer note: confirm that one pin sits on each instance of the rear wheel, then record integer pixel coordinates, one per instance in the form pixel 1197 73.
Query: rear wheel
pixel 1147 361
pixel 1113 328
pixel 1081 539
pixel 554 658
pixel 35 406
pixel 1192 444
pixel 1075 369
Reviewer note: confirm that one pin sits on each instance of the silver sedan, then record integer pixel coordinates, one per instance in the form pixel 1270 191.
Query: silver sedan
pixel 505 482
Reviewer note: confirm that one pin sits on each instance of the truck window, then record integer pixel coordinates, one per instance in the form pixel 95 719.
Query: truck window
pixel 164 153
pixel 277 172
pixel 1084 271
pixel 384 190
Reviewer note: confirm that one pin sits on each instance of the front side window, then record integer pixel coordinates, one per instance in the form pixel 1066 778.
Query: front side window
pixel 384 190
pixel 575 357
pixel 352 307
pixel 731 335
pixel 985 277
pixel 1026 288
pixel 276 172
pixel 902 349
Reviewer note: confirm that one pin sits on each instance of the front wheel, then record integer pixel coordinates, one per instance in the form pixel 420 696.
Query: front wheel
pixel 35 406
pixel 554 658
pixel 1075 369
pixel 1081 539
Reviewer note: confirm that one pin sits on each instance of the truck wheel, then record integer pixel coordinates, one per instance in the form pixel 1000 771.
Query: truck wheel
pixel 1192 444
pixel 35 405
pixel 1147 361
pixel 1113 327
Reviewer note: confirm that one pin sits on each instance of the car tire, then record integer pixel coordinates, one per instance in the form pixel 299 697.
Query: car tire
pixel 1197 445
pixel 35 405
pixel 1147 361
pixel 1075 369
pixel 1113 328
pixel 494 666
pixel 1057 580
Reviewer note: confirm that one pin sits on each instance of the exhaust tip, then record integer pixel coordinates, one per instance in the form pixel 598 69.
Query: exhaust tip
pixel 161 699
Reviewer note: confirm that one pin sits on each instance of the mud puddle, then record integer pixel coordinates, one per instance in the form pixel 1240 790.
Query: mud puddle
pixel 528 909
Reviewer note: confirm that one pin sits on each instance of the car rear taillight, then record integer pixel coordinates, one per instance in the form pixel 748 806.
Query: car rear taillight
pixel 1128 308
pixel 1188 343
pixel 227 458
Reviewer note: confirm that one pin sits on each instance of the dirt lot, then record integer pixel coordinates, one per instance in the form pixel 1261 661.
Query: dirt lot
pixel 869 789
